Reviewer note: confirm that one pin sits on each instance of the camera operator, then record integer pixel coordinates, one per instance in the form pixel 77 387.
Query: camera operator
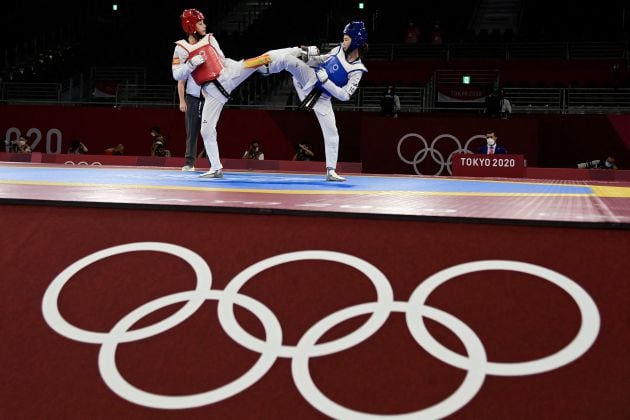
pixel 302 152
pixel 18 146
pixel 158 148
pixel 254 151
pixel 608 163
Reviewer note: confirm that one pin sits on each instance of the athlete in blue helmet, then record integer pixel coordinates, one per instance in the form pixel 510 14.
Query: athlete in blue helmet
pixel 320 77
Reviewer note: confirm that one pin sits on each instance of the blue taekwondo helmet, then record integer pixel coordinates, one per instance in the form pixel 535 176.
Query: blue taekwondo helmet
pixel 358 33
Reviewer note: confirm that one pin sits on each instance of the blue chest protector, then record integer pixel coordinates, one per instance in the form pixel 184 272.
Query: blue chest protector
pixel 338 69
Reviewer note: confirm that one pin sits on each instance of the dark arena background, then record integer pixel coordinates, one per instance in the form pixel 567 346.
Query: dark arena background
pixel 433 283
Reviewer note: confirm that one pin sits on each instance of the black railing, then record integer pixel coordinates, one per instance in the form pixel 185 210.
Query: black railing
pixel 254 94
pixel 505 51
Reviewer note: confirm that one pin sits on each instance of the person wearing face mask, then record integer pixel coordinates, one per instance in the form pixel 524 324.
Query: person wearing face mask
pixel 254 152
pixel 608 163
pixel 491 147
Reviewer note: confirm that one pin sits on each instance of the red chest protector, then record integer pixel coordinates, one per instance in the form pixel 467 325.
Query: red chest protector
pixel 211 68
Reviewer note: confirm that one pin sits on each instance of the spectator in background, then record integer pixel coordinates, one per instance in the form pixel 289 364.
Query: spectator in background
pixel 497 105
pixel 77 148
pixel 492 106
pixel 390 102
pixel 608 163
pixel 412 32
pixel 437 34
pixel 254 152
pixel 116 150
pixel 303 152
pixel 491 147
pixel 505 106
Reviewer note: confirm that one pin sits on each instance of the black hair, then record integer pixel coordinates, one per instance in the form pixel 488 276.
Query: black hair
pixel 363 49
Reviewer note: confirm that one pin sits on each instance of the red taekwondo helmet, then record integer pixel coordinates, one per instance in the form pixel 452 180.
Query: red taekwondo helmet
pixel 190 17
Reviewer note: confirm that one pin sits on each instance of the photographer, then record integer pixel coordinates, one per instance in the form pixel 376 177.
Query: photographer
pixel 302 152
pixel 19 146
pixel 117 150
pixel 77 148
pixel 158 148
pixel 254 152
pixel 608 163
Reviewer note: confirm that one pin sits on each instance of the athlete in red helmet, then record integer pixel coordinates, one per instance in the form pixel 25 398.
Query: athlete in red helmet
pixel 190 18
pixel 199 60
pixel 199 57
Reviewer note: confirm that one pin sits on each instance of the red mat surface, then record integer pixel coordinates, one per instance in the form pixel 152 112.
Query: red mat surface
pixel 511 294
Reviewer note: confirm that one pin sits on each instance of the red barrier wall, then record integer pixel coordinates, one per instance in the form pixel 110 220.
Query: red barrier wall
pixel 621 124
pixel 175 162
pixel 103 127
pixel 384 140
pixel 544 140
pixel 518 317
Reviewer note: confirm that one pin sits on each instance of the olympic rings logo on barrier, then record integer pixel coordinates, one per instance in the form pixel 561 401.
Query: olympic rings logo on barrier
pixel 83 163
pixel 415 309
pixel 436 155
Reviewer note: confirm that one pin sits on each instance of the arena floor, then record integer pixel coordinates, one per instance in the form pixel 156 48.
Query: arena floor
pixel 285 193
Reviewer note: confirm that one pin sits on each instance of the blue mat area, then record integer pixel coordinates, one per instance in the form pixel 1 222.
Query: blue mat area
pixel 274 181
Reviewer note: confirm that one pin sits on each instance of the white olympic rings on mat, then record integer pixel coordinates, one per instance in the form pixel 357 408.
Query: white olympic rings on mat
pixel 436 155
pixel 384 292
pixel 308 346
pixel 50 307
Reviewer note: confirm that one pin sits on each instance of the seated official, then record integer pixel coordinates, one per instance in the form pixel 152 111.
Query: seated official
pixel 491 147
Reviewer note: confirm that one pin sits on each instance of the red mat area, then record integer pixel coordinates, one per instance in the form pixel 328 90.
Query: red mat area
pixel 516 316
